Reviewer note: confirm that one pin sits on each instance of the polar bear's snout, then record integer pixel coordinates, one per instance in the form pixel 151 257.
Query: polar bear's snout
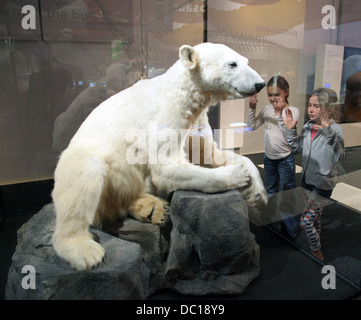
pixel 256 88
pixel 260 86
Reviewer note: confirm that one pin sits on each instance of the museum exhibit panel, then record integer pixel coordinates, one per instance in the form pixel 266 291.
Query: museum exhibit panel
pixel 59 60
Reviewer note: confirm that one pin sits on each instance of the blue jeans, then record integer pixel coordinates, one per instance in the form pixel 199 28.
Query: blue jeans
pixel 280 175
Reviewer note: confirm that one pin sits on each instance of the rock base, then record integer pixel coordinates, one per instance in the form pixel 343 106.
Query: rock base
pixel 206 248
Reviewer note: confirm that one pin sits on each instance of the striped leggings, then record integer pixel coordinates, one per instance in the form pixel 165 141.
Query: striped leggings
pixel 311 219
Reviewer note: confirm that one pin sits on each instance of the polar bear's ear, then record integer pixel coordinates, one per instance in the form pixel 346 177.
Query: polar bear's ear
pixel 188 56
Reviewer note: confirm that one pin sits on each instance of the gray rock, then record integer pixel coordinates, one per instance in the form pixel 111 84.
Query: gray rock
pixel 123 274
pixel 205 249
pixel 154 243
pixel 211 250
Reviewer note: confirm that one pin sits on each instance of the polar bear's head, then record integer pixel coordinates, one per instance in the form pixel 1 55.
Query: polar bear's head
pixel 221 70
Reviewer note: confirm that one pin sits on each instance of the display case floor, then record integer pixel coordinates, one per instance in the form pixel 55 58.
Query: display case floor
pixel 287 272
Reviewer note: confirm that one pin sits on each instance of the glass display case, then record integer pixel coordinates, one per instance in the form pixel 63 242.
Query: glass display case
pixel 60 59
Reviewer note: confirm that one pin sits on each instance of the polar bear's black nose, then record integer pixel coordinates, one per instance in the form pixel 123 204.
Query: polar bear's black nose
pixel 260 86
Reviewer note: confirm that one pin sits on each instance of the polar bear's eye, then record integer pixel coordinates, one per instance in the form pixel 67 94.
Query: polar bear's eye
pixel 232 64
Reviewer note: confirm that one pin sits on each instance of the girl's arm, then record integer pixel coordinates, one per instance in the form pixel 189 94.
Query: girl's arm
pixel 335 139
pixel 294 141
pixel 253 121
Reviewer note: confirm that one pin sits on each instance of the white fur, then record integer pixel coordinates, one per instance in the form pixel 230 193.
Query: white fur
pixel 94 180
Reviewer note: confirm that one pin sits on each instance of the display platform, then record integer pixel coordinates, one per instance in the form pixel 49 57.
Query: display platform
pixel 287 272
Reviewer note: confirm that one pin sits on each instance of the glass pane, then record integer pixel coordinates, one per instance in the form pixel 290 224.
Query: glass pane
pixel 77 54
pixel 312 44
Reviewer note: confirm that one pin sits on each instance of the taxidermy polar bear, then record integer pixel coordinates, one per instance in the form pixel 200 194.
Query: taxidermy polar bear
pixel 108 170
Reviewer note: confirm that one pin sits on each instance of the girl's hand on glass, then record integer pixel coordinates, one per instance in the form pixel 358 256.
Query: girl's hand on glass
pixel 288 120
pixel 325 121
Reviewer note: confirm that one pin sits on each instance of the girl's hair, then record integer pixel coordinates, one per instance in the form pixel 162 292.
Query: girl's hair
pixel 328 98
pixel 280 82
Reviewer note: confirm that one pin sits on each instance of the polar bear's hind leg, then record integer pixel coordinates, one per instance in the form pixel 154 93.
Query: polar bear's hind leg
pixel 148 208
pixel 79 179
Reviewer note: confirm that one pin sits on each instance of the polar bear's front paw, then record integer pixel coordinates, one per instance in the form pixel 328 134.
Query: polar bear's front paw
pixel 82 254
pixel 255 194
pixel 149 208
pixel 237 176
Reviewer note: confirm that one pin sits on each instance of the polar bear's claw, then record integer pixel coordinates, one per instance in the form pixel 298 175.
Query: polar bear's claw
pixel 160 215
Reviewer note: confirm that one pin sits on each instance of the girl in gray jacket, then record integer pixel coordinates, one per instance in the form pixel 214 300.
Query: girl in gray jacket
pixel 321 143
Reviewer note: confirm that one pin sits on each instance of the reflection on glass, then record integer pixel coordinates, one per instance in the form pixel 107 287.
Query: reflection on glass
pixel 352 106
pixel 80 53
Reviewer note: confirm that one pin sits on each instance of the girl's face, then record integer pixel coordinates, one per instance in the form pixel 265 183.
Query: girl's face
pixel 274 93
pixel 314 109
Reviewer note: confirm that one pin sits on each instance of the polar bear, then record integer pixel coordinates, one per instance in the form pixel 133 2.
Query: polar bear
pixel 97 179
